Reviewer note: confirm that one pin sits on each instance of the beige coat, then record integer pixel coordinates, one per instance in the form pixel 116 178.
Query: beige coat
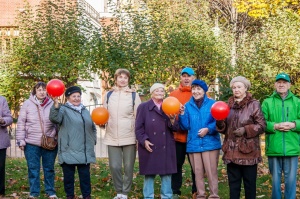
pixel 120 125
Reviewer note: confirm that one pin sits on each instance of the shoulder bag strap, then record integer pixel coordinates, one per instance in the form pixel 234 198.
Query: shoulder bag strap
pixel 37 106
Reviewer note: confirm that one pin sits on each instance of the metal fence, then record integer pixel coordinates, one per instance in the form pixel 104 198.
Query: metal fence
pixel 100 148
pixel 14 151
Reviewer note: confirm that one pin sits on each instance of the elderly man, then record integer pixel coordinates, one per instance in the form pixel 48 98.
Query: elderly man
pixel 183 94
pixel 282 113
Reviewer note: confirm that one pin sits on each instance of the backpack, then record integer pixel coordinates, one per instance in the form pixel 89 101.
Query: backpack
pixel 133 94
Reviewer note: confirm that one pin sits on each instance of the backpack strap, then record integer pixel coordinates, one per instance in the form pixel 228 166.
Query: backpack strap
pixel 133 94
pixel 108 96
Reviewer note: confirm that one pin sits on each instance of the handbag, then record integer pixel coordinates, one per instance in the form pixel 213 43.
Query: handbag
pixel 47 142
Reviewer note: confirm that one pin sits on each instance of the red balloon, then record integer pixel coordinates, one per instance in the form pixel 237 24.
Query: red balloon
pixel 100 115
pixel 55 88
pixel 171 105
pixel 220 110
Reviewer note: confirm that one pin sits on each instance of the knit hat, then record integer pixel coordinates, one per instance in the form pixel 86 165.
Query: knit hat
pixel 242 79
pixel 200 83
pixel 188 71
pixel 156 86
pixel 283 76
pixel 71 90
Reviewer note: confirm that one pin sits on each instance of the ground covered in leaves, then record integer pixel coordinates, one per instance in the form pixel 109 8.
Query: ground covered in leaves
pixel 17 183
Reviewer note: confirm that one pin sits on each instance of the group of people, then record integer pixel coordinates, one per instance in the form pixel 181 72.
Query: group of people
pixel 162 141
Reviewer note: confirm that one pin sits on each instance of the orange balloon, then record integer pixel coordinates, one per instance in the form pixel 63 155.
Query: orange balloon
pixel 171 105
pixel 100 115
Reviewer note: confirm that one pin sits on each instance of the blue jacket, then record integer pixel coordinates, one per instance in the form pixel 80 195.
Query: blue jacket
pixel 193 120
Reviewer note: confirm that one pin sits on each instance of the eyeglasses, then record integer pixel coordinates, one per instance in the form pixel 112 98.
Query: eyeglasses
pixel 40 90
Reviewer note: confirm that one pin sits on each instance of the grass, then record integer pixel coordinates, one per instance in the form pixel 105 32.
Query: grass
pixel 102 188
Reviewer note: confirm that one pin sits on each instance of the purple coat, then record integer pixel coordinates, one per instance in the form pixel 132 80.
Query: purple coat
pixel 5 114
pixel 154 125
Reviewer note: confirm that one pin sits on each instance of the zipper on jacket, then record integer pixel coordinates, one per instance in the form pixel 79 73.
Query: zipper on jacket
pixel 84 137
pixel 118 118
pixel 283 120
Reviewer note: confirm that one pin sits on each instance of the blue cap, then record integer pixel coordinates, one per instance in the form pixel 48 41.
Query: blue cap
pixel 200 83
pixel 188 71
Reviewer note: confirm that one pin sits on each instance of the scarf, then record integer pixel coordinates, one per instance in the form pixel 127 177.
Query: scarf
pixel 42 102
pixel 199 102
pixel 76 108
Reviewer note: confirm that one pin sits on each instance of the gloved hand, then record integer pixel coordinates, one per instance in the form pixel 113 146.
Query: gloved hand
pixel 220 123
pixel 239 132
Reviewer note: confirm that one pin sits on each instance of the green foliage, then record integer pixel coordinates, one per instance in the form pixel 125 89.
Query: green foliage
pixel 155 43
pixel 53 43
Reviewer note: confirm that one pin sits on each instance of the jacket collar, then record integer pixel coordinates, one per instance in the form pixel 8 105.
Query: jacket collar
pixel 276 95
pixel 153 107
pixel 124 89
pixel 241 104
pixel 185 88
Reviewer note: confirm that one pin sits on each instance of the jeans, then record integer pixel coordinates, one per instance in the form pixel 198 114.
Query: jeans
pixel 288 166
pixel 165 189
pixel 84 178
pixel 33 155
pixel 118 155
pixel 237 173
pixel 2 171
pixel 177 177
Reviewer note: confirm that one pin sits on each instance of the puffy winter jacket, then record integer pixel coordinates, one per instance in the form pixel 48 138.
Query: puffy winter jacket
pixel 5 114
pixel 193 120
pixel 76 136
pixel 121 122
pixel 276 110
pixel 29 128
pixel 183 94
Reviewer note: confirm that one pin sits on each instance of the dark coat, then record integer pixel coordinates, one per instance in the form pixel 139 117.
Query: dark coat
pixel 154 125
pixel 244 150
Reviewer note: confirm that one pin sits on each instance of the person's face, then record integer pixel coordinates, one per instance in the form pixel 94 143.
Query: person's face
pixel 197 92
pixel 158 94
pixel 41 92
pixel 75 99
pixel 239 90
pixel 282 86
pixel 186 80
pixel 122 80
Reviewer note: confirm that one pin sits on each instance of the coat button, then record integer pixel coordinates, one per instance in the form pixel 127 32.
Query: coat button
pixel 153 120
pixel 164 147
pixel 164 133
pixel 154 133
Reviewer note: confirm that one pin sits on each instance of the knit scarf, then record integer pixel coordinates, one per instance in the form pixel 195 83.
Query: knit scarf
pixel 77 108
pixel 42 102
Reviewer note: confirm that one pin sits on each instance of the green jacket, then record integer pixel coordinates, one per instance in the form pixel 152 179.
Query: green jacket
pixel 76 136
pixel 275 111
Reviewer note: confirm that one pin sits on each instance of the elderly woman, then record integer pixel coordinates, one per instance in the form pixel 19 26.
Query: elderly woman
pixel 241 145
pixel 76 141
pixel 156 149
pixel 121 103
pixel 203 141
pixel 33 121
pixel 5 120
